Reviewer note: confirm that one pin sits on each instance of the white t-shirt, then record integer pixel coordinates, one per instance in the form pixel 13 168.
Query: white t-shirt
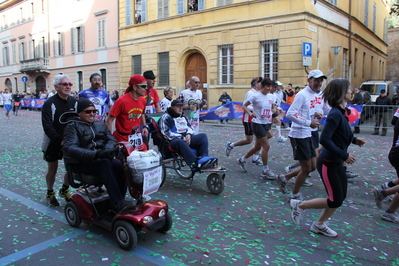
pixel 190 97
pixel 165 104
pixel 7 98
pixel 262 108
pixel 251 92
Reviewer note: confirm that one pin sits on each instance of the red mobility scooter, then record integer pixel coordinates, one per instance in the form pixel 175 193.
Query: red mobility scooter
pixel 90 202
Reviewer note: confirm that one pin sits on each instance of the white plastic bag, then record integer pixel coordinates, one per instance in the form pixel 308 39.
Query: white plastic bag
pixel 141 160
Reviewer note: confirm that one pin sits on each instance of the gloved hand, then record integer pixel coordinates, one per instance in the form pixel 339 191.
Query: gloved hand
pixel 106 153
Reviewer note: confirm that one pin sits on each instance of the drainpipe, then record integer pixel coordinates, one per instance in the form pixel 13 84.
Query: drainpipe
pixel 350 43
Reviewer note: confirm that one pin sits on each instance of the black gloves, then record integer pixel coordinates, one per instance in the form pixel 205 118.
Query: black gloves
pixel 106 153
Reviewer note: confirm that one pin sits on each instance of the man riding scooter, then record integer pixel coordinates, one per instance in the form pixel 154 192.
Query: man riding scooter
pixel 89 144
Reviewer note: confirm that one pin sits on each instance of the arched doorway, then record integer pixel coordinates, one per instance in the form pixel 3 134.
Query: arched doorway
pixel 40 83
pixel 196 66
pixel 8 85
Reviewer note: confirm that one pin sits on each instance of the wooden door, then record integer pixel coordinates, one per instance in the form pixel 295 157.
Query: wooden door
pixel 196 66
pixel 40 84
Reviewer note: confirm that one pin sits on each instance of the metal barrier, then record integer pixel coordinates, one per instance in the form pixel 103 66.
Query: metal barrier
pixel 369 115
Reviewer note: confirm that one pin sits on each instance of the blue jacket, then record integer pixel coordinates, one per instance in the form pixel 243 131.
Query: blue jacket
pixel 336 136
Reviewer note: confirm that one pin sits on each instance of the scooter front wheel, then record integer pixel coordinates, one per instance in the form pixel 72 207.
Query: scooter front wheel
pixel 168 224
pixel 125 234
pixel 72 214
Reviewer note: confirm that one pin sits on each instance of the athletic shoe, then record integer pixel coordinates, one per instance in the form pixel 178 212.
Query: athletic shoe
pixel 305 184
pixel 257 162
pixel 385 187
pixel 281 182
pixel 378 197
pixel 64 193
pixel 323 229
pixel 51 199
pixel 296 212
pixel 228 148
pixel 281 139
pixel 350 175
pixel 287 128
pixel 241 164
pixel 390 217
pixel 287 170
pixel 297 196
pixel 268 175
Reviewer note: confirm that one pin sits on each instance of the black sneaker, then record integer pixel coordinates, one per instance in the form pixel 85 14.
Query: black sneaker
pixel 51 199
pixel 64 193
pixel 123 205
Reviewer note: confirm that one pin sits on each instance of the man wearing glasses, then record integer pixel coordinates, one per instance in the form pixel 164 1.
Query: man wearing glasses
pixel 99 97
pixel 128 113
pixel 192 102
pixel 53 108
pixel 151 95
pixel 89 144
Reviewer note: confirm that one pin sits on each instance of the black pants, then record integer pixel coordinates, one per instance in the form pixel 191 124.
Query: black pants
pixel 111 174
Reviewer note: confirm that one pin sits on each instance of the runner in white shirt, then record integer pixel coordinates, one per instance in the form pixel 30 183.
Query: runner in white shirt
pixel 247 122
pixel 192 100
pixel 304 119
pixel 7 102
pixel 278 99
pixel 263 108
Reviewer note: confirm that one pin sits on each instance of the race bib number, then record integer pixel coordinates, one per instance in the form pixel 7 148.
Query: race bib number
pixel 265 113
pixel 136 140
pixel 152 180
pixel 181 125
pixel 148 109
pixel 194 121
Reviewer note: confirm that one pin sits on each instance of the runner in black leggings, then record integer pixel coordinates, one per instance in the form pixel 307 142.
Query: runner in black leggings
pixel 335 138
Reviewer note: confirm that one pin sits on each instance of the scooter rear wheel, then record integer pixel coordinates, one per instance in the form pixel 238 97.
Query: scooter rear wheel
pixel 125 234
pixel 215 183
pixel 72 214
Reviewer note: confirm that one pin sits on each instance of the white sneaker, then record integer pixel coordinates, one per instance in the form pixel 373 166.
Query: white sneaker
pixel 296 212
pixel 297 196
pixel 390 217
pixel 282 182
pixel 385 186
pixel 287 170
pixel 257 162
pixel 268 175
pixel 241 164
pixel 281 139
pixel 323 229
pixel 287 128
pixel 228 148
pixel 305 184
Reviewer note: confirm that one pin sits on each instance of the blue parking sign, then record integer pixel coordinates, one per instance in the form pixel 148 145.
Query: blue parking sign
pixel 306 49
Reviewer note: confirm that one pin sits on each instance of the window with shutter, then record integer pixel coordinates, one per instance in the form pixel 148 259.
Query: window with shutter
pixel 270 59
pixel 103 73
pixel 226 64
pixel 180 7
pixel 101 33
pixel 136 65
pixel 73 40
pixel 80 36
pixel 128 13
pixel 163 60
pixel 143 10
pixel 366 13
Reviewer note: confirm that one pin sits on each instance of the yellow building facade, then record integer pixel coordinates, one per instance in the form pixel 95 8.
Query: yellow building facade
pixel 228 42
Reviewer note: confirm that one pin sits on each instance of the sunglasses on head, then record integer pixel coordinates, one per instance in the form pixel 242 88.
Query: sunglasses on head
pixel 90 111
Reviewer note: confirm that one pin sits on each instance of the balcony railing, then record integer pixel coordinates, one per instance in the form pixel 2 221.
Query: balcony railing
pixel 35 65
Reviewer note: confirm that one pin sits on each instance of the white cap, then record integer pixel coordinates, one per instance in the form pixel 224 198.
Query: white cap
pixel 316 74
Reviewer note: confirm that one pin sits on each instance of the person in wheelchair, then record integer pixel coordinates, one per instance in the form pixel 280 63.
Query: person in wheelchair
pixel 89 144
pixel 175 128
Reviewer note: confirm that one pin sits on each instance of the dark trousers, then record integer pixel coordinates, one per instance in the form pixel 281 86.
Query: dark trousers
pixel 381 116
pixel 198 142
pixel 111 174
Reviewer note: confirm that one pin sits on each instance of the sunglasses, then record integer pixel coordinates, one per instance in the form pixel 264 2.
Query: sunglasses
pixel 197 82
pixel 65 84
pixel 90 111
pixel 143 85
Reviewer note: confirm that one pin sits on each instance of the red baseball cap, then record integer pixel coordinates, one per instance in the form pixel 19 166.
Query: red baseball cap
pixel 137 79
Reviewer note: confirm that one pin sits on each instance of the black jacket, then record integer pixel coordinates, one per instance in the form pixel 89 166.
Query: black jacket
pixel 357 99
pixel 82 140
pixel 52 109
pixel 382 101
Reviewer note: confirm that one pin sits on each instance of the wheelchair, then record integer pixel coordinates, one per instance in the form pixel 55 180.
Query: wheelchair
pixel 173 160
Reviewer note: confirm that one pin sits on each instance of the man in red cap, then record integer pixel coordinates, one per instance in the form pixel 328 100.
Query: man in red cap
pixel 128 111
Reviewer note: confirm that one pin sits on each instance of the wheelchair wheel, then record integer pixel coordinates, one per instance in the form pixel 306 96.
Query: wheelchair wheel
pixel 125 234
pixel 182 169
pixel 215 183
pixel 72 214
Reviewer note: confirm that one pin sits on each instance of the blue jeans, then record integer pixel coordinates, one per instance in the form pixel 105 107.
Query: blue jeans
pixel 198 142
